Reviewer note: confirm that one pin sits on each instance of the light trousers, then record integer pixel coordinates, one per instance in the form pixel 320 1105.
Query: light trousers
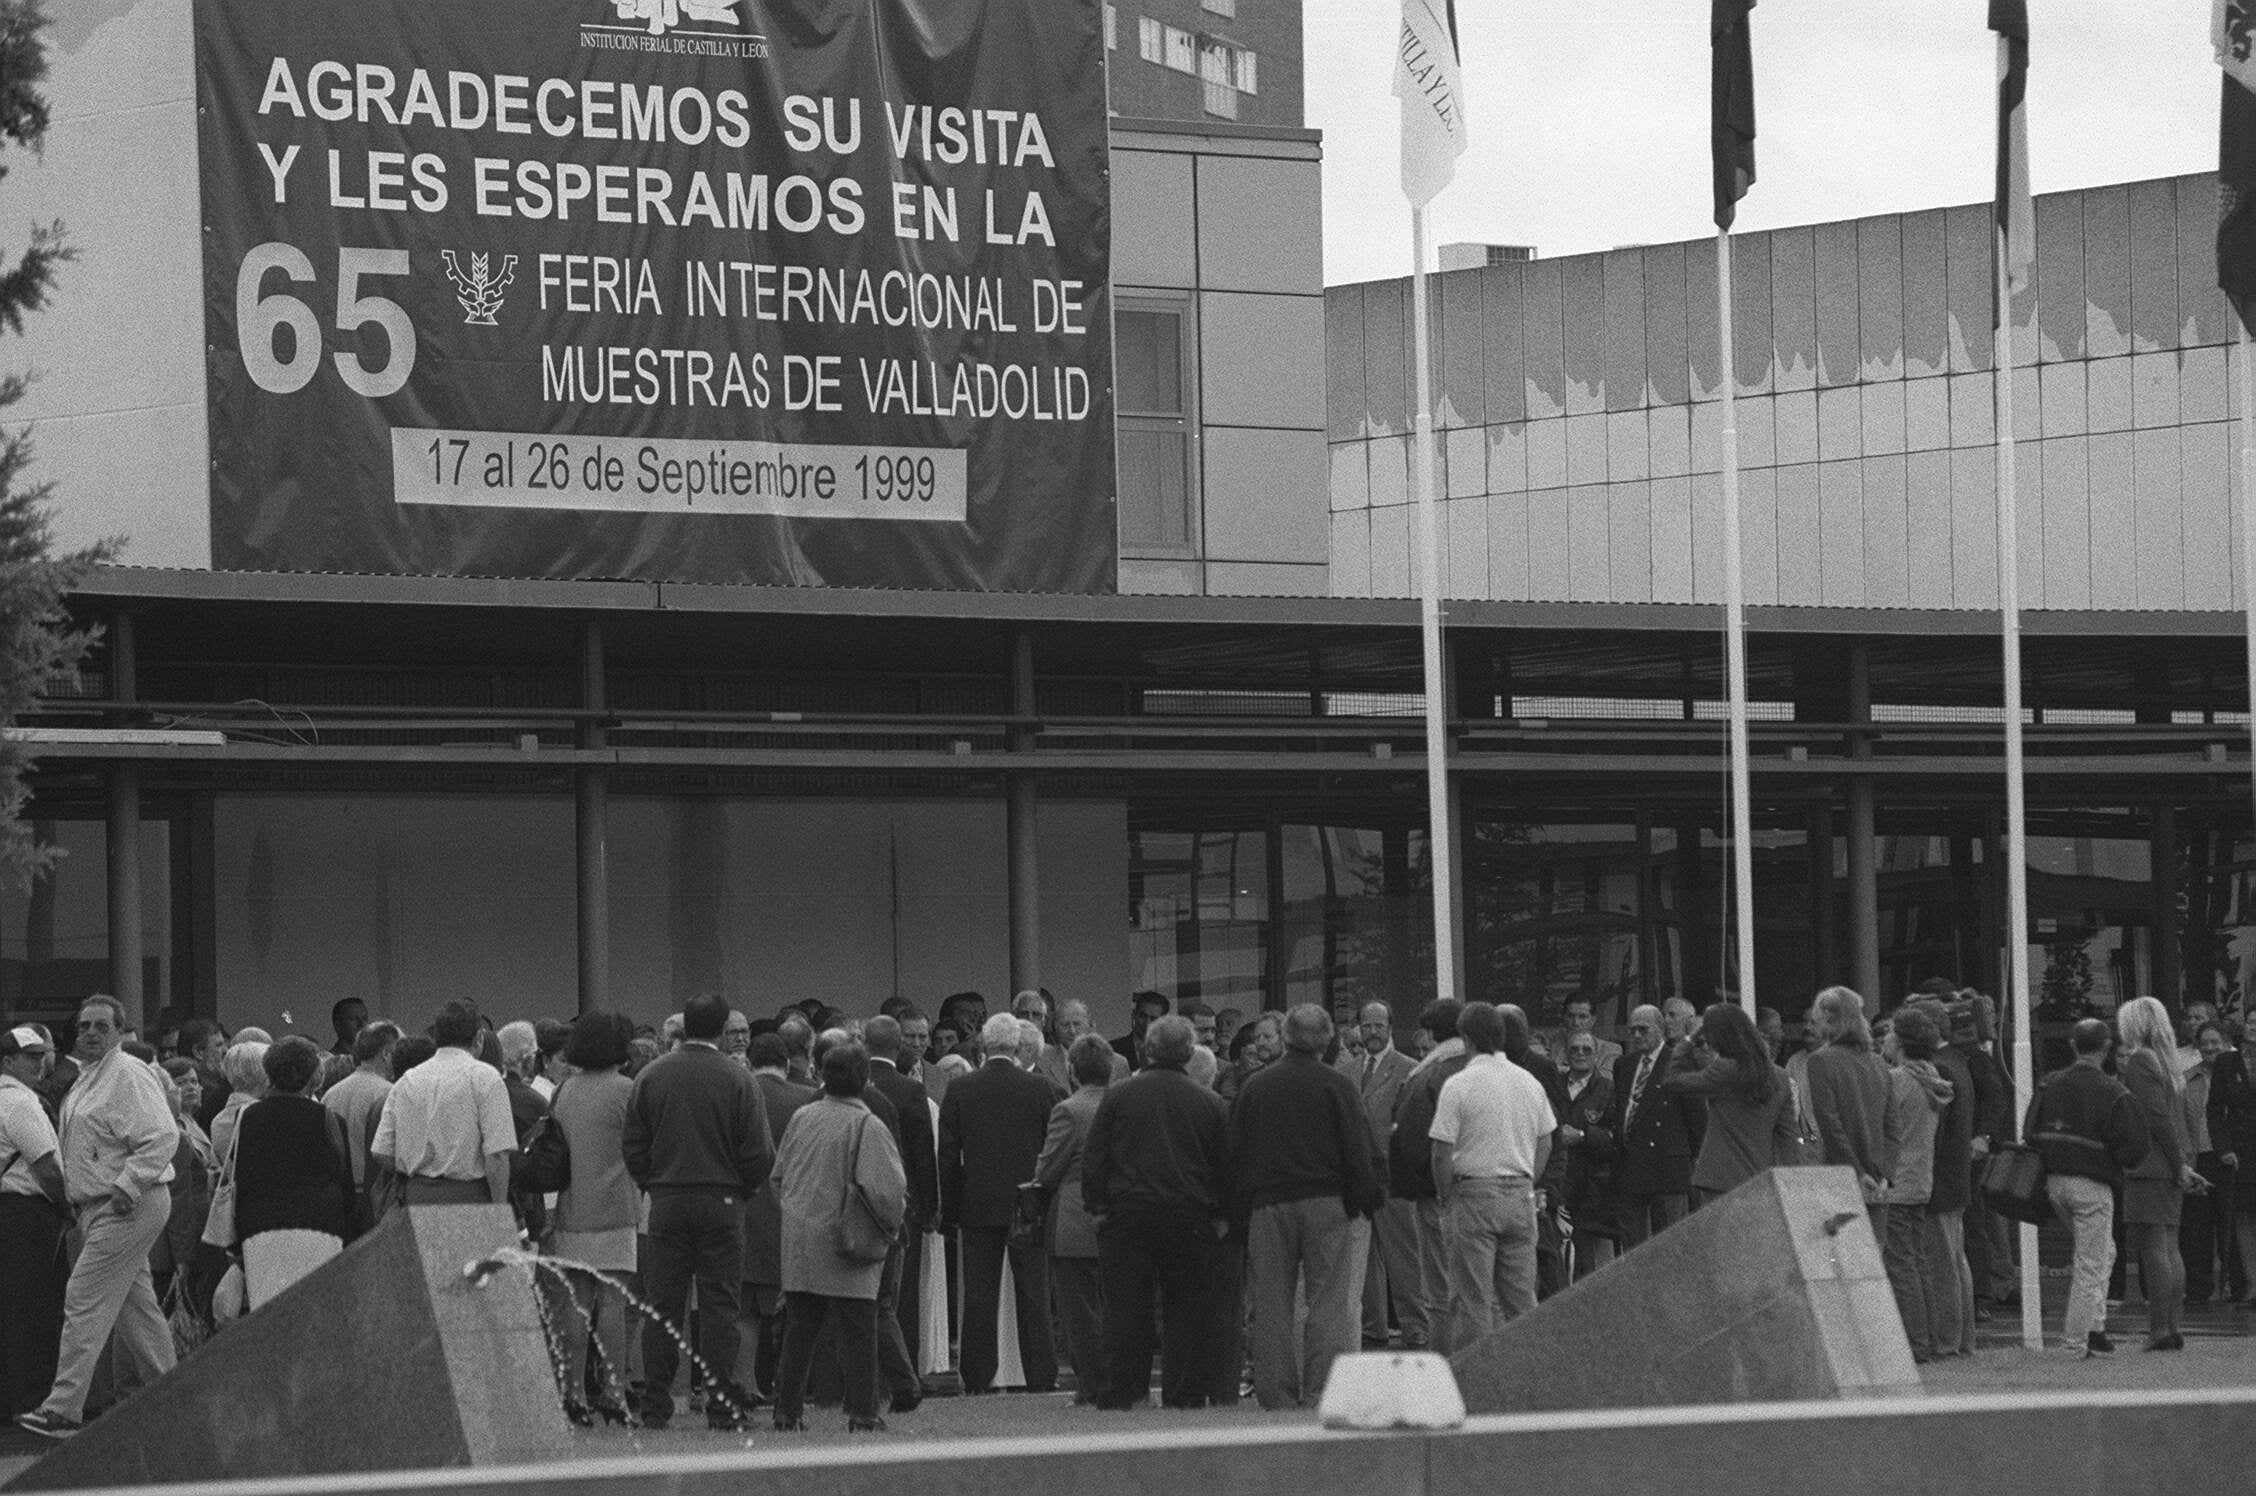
pixel 110 1292
pixel 1316 1247
pixel 2090 1209
pixel 1490 1225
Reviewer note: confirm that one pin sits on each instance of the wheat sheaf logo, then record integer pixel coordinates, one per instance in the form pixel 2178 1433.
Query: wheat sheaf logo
pixel 663 16
pixel 480 288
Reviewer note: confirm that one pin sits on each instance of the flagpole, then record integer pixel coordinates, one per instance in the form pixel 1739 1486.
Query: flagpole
pixel 1440 832
pixel 2016 807
pixel 1735 643
pixel 2248 536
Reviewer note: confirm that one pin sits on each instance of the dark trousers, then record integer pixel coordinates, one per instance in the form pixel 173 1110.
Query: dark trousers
pixel 1643 1216
pixel 983 1249
pixel 1172 1253
pixel 31 1304
pixel 910 1302
pixel 804 1315
pixel 902 1383
pixel 694 1234
pixel 1080 1306
pixel 2205 1232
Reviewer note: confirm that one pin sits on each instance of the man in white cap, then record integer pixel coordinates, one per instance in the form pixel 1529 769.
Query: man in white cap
pixel 117 1142
pixel 31 1225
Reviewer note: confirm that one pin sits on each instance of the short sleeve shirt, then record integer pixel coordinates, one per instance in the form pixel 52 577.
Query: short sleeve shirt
pixel 26 1136
pixel 1492 1114
pixel 443 1118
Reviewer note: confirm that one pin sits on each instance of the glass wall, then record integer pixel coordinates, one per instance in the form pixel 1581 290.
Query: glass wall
pixel 55 934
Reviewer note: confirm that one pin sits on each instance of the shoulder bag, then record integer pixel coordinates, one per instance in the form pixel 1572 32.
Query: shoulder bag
pixel 544 1164
pixel 865 1235
pixel 2012 1181
pixel 219 1221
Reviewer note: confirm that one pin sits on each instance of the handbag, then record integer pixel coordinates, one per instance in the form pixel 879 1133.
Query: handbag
pixel 865 1235
pixel 1030 1221
pixel 544 1165
pixel 2013 1184
pixel 219 1221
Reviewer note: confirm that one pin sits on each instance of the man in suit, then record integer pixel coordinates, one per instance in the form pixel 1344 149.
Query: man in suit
pixel 762 1312
pixel 897 1305
pixel 1392 1274
pixel 1143 1008
pixel 1072 1023
pixel 1656 1136
pixel 1072 1230
pixel 992 1124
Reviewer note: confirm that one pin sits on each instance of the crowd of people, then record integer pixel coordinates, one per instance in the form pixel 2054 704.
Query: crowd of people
pixel 819 1208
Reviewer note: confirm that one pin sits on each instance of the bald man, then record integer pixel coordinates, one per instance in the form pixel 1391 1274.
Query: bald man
pixel 1656 1135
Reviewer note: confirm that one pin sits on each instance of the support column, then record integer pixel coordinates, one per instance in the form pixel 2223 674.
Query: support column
pixel 1460 824
pixel 123 839
pixel 591 822
pixel 1864 878
pixel 2168 963
pixel 1024 871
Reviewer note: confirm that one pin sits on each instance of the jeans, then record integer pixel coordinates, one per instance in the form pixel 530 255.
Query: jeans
pixel 1904 1253
pixel 1173 1254
pixel 2089 1207
pixel 694 1234
pixel 803 1317
pixel 1491 1243
pixel 110 1293
pixel 1310 1247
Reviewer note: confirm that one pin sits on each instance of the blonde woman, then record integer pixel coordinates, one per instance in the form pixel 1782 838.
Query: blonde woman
pixel 2154 1191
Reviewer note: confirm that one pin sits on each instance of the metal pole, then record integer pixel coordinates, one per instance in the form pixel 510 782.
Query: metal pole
pixel 2016 808
pixel 1735 645
pixel 122 840
pixel 1864 875
pixel 591 822
pixel 1020 814
pixel 2248 536
pixel 1441 832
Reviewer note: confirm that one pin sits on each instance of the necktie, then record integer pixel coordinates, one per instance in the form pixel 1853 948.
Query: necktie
pixel 1637 1086
pixel 1370 1068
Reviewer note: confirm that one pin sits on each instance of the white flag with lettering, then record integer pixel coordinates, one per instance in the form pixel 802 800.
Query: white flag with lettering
pixel 1426 81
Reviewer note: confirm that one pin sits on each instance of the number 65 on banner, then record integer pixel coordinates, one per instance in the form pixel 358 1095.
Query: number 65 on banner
pixel 259 317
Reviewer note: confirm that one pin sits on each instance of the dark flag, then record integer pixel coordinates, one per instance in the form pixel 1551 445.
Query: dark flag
pixel 2231 30
pixel 2016 215
pixel 1732 96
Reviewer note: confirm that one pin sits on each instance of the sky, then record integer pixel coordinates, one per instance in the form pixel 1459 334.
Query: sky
pixel 1587 120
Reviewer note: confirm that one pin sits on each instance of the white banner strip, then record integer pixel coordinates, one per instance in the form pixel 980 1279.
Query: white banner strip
pixel 660 475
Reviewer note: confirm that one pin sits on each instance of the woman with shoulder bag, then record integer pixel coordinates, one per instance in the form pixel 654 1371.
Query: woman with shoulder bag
pixel 839 1180
pixel 293 1176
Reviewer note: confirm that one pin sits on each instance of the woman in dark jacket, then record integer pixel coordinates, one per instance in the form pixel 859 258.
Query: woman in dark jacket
pixel 2232 1132
pixel 293 1173
pixel 1751 1121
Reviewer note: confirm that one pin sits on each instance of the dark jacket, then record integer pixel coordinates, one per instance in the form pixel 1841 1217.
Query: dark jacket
pixel 1848 1103
pixel 1954 1134
pixel 2085 1123
pixel 1410 1151
pixel 2164 1106
pixel 292 1169
pixel 914 1109
pixel 1297 1132
pixel 1159 1143
pixel 992 1123
pixel 695 1120
pixel 763 1213
pixel 1590 1162
pixel 1657 1137
pixel 2232 1108
pixel 1743 1136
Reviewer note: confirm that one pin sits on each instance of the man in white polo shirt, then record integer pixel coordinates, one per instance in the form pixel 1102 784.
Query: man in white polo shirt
pixel 32 1212
pixel 1491 1138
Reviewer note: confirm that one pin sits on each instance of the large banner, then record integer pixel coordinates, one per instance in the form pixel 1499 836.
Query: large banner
pixel 810 292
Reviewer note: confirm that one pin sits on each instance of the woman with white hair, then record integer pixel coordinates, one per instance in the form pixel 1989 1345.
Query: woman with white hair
pixel 2154 1189
pixel 245 1070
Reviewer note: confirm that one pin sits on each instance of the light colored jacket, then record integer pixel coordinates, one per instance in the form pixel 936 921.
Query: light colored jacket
pixel 1073 1231
pixel 117 1129
pixel 592 1111
pixel 810 1184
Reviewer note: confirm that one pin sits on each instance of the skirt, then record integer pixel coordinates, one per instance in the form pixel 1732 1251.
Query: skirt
pixel 2151 1202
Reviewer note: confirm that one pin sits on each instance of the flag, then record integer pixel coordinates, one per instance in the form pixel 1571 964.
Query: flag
pixel 2233 33
pixel 2016 215
pixel 1733 99
pixel 1432 94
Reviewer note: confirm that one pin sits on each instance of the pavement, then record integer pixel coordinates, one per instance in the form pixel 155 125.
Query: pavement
pixel 2220 1352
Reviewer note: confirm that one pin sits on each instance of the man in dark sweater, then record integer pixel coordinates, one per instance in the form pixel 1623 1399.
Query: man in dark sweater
pixel 2089 1130
pixel 1308 1184
pixel 697 1139
pixel 992 1123
pixel 1155 1173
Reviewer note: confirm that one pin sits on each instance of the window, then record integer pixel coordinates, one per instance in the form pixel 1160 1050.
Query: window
pixel 1181 50
pixel 1248 79
pixel 1112 29
pixel 1152 425
pixel 1219 7
pixel 1148 39
pixel 1214 72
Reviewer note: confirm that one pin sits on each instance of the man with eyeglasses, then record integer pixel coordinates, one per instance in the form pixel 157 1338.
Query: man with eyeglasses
pixel 1657 1135
pixel 1586 1135
pixel 117 1142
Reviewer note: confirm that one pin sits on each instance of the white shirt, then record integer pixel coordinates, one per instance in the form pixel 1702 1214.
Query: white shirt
pixel 445 1117
pixel 1493 1114
pixel 117 1130
pixel 26 1136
